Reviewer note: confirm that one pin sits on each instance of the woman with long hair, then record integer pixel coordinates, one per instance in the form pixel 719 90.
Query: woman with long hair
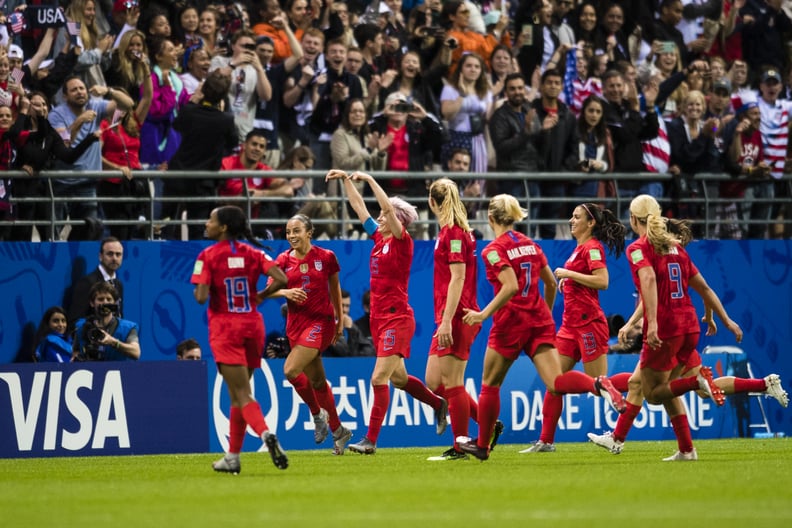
pixel 94 59
pixel 595 148
pixel 121 152
pixel 186 30
pixel 454 292
pixel 584 334
pixel 236 328
pixel 392 319
pixel 353 147
pixel 521 322
pixel 315 321
pixel 466 103
pixel 415 83
pixel 129 66
pixel 51 343
pixel 209 30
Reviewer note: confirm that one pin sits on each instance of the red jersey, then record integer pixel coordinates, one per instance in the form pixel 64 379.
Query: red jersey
pixel 526 258
pixel 581 303
pixel 234 186
pixel 390 264
pixel 231 269
pixel 675 312
pixel 120 148
pixel 312 274
pixel 454 245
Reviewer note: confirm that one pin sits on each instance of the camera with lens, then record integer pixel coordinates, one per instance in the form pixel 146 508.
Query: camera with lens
pixel 452 43
pixel 129 4
pixel 93 333
pixel 404 107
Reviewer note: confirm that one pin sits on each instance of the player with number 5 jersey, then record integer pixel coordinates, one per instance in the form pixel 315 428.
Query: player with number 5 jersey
pixel 392 318
pixel 313 323
pixel 226 274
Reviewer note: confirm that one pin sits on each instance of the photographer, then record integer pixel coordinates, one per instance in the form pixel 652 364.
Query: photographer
pixel 103 336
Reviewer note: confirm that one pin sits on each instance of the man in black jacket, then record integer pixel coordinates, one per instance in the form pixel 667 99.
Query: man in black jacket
pixel 111 256
pixel 514 129
pixel 557 144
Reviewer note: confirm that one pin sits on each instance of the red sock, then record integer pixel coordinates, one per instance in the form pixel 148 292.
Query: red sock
pixel 682 432
pixel 325 398
pixel 236 430
pixel 682 385
pixel 489 409
pixel 625 421
pixel 621 381
pixel 420 392
pixel 252 414
pixel 459 410
pixel 749 385
pixel 551 412
pixel 306 392
pixel 378 410
pixel 574 382
pixel 474 408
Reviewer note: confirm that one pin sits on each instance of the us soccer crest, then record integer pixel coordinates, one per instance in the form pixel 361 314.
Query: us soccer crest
pixel 303 268
pixel 318 265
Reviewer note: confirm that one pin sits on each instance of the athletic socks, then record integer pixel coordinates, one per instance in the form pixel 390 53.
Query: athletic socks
pixel 254 418
pixel 749 385
pixel 625 421
pixel 326 401
pixel 574 382
pixel 236 430
pixel 551 411
pixel 459 410
pixel 680 386
pixel 378 410
pixel 621 381
pixel 306 392
pixel 682 432
pixel 420 392
pixel 488 411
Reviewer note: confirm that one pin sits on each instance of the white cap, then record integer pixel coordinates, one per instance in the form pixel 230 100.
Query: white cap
pixel 15 52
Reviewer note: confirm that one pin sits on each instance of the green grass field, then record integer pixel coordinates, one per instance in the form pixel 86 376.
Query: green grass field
pixel 736 482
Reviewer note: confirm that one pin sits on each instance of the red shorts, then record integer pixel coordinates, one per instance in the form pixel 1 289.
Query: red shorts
pixel 237 341
pixel 509 341
pixel 392 335
pixel 463 336
pixel 676 350
pixel 318 335
pixel 587 342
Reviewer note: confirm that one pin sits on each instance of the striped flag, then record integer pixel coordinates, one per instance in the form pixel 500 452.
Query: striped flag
pixel 16 75
pixel 570 74
pixel 73 28
pixel 17 22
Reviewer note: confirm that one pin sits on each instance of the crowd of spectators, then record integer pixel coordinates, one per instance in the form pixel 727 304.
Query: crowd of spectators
pixel 678 87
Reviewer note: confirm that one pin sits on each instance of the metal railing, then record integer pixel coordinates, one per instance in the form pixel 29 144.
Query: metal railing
pixel 706 202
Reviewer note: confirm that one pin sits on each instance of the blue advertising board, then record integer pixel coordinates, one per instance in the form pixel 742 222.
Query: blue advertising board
pixel 752 278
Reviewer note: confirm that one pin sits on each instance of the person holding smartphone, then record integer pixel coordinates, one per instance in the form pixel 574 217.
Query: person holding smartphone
pixel 249 82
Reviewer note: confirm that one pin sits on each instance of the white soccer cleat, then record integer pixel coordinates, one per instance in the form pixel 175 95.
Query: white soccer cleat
pixel 606 441
pixel 341 437
pixel 228 464
pixel 321 429
pixel 540 447
pixel 775 390
pixel 682 457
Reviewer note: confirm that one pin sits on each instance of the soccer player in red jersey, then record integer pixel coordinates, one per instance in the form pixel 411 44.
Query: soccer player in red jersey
pixel 522 321
pixel 454 290
pixel 675 314
pixel 584 334
pixel 662 272
pixel 226 275
pixel 392 318
pixel 314 322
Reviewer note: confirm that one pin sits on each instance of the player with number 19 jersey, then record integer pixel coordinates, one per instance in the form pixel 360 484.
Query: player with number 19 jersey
pixel 675 312
pixel 232 269
pixel 312 274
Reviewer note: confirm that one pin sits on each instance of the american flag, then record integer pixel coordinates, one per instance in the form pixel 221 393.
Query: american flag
pixel 73 28
pixel 17 22
pixel 117 115
pixel 570 74
pixel 16 75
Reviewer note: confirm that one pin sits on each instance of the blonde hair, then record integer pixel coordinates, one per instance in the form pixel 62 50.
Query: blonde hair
pixel 647 212
pixel 88 33
pixel 695 95
pixel 505 210
pixel 131 72
pixel 450 209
